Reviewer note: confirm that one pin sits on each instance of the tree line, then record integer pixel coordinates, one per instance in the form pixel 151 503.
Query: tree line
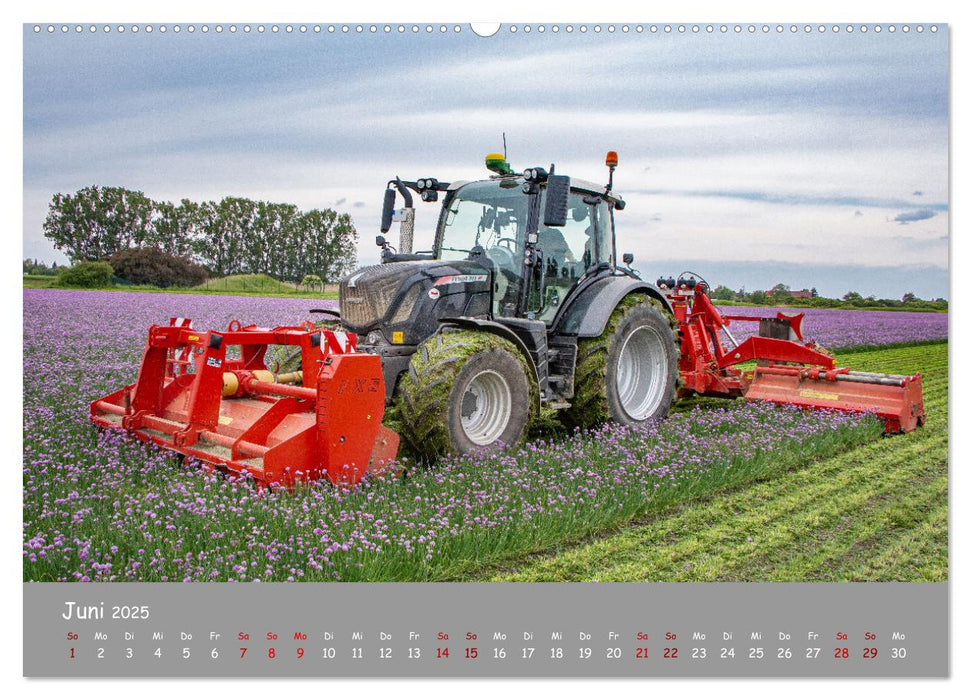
pixel 782 294
pixel 232 236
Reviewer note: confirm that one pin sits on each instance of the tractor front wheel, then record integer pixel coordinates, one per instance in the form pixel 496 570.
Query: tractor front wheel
pixel 464 391
pixel 629 373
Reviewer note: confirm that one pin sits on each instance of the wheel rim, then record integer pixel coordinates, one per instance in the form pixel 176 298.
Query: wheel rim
pixel 641 370
pixel 485 407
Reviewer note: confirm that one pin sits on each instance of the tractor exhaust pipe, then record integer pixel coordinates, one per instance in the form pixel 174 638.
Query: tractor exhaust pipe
pixel 406 215
pixel 407 231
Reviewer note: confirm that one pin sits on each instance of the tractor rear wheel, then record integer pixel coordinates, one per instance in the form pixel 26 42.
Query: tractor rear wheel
pixel 281 359
pixel 464 391
pixel 629 373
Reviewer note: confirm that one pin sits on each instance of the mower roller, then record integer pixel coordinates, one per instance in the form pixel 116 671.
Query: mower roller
pixel 521 303
pixel 323 420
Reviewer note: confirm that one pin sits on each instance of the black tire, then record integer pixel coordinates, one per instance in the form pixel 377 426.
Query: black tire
pixel 464 391
pixel 639 334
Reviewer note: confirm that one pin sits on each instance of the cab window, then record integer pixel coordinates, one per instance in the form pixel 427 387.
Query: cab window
pixel 570 250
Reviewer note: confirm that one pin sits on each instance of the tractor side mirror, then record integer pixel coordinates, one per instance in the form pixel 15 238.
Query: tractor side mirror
pixel 557 194
pixel 388 211
pixel 628 258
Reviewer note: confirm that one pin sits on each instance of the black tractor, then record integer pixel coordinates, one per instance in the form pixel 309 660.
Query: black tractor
pixel 520 303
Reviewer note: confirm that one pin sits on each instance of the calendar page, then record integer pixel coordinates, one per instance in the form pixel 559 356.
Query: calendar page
pixel 519 350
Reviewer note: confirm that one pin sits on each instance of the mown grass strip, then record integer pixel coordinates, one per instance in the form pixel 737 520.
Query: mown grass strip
pixel 748 534
pixel 918 554
pixel 818 539
pixel 868 531
pixel 877 512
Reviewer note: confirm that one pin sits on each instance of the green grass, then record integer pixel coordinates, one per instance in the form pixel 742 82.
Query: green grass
pixel 878 512
pixel 247 283
pixel 234 285
pixel 39 281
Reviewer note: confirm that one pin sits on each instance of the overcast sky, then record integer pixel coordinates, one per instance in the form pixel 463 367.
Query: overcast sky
pixel 808 159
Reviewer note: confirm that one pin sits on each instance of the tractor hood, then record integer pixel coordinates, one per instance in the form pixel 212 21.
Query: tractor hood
pixel 406 296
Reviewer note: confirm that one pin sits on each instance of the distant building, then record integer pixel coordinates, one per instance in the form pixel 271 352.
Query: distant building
pixel 795 293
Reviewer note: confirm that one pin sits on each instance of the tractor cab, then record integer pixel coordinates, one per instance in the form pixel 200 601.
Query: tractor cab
pixel 536 234
pixel 534 264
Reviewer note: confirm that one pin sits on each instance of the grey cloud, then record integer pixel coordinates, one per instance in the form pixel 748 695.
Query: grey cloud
pixel 918 193
pixel 907 217
pixel 359 205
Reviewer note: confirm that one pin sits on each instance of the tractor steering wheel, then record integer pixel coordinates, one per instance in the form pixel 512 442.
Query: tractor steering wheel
pixel 504 256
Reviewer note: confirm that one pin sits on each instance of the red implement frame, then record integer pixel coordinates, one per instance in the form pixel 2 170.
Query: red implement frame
pixel 325 422
pixel 788 370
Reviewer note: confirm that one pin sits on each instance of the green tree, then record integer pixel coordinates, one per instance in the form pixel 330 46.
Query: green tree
pixel 272 241
pixel 757 297
pixel 177 229
pixel 226 225
pixel 853 297
pixel 312 282
pixel 780 292
pixel 909 298
pixel 34 267
pixel 96 222
pixel 723 293
pixel 328 242
pixel 231 236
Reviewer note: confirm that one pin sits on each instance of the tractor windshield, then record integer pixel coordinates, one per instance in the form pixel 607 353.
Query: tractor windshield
pixel 492 215
pixel 483 214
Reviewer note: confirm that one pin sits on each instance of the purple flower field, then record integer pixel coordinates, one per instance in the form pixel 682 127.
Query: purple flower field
pixel 845 328
pixel 103 507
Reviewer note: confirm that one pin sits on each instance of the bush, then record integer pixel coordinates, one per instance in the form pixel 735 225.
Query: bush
pixel 156 268
pixel 87 275
pixel 311 282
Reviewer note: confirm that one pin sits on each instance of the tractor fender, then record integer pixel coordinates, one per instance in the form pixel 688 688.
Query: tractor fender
pixel 589 311
pixel 503 332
